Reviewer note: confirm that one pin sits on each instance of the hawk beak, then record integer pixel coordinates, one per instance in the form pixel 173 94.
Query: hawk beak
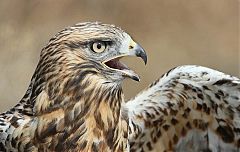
pixel 139 52
pixel 136 50
pixel 133 50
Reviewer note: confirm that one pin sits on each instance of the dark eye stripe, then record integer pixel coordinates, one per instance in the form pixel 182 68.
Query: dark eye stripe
pixel 108 42
pixel 85 44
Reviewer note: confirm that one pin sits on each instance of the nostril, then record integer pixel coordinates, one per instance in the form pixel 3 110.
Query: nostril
pixel 130 47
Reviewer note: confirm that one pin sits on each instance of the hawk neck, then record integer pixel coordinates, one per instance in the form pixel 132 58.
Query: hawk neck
pixel 85 117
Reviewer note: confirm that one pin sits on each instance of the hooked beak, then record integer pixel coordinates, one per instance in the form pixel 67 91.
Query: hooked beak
pixel 134 49
pixel 139 52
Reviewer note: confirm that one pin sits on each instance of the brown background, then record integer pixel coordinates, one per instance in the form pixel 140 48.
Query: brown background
pixel 203 32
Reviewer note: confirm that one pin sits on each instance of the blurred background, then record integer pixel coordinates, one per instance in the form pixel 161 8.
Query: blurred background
pixel 204 32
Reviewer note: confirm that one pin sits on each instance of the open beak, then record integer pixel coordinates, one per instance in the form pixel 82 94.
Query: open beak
pixel 133 50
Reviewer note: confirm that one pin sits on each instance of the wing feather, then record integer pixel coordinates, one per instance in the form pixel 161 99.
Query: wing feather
pixel 190 108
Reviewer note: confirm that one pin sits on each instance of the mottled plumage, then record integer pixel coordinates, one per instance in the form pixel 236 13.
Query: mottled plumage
pixel 75 101
pixel 190 108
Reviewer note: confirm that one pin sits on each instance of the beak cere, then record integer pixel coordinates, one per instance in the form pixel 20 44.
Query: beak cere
pixel 115 63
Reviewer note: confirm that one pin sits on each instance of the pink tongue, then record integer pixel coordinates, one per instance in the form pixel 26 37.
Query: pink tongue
pixel 116 64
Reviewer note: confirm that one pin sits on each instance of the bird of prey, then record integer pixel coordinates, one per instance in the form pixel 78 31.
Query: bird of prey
pixel 75 101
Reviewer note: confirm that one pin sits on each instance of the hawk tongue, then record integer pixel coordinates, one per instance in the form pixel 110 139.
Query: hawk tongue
pixel 116 64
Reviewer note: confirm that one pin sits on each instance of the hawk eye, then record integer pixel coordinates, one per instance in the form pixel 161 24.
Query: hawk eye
pixel 98 46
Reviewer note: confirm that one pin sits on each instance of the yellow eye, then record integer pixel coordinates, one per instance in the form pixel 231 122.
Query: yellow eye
pixel 98 47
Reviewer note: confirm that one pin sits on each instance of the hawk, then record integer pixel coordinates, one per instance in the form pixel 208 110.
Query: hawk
pixel 75 101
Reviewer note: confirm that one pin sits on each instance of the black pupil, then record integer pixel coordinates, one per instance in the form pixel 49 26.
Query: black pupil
pixel 99 45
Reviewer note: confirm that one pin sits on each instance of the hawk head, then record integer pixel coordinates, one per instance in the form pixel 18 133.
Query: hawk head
pixel 95 47
pixel 81 60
